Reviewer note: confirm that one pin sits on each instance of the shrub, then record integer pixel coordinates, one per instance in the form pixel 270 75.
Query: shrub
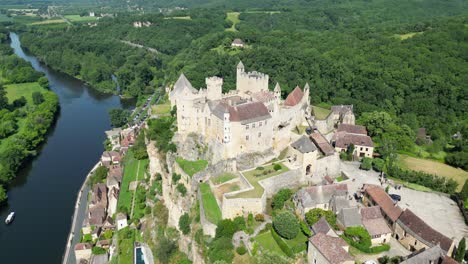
pixel 305 229
pixel 366 163
pixel 277 167
pixel 282 196
pixel 98 251
pixel 260 168
pixel 378 164
pixel 259 218
pixel 286 225
pixel 241 250
pixel 359 238
pixel 315 214
pixel 284 247
pixel 175 178
pixel 184 224
pixel 181 188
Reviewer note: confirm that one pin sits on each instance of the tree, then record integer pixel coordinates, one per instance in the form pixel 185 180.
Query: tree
pixel 3 195
pixel 315 214
pixel 118 117
pixel 43 82
pixel 182 189
pixel 20 102
pixel 286 225
pixel 184 224
pixel 3 98
pixel 99 175
pixel 38 98
pixel 280 198
pixel 277 167
pixel 366 163
pixel 165 248
pixel 464 191
pixel 268 257
pixel 378 164
pixel 461 249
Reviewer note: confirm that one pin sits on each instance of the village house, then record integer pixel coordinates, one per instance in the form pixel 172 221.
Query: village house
pixel 109 158
pixel 97 215
pixel 322 226
pixel 319 196
pixel 115 172
pixel 83 251
pixel 121 221
pixel 374 222
pixel 113 198
pixel 339 114
pixel 433 255
pixel 348 135
pixel 99 195
pixel 108 223
pixel 237 43
pixel 374 195
pixel 103 243
pixel 114 137
pixel 348 217
pixel 414 234
pixel 249 119
pixel 100 259
pixel 325 249
pixel 303 153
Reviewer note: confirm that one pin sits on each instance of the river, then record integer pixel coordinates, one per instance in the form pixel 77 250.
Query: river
pixel 44 192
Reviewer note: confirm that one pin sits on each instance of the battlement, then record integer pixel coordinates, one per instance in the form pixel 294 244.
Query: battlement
pixel 254 75
pixel 214 80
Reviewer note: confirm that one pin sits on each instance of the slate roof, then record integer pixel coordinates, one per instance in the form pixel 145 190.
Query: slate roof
pixel 331 248
pixel 339 202
pixel 99 259
pixel 349 217
pixel 343 140
pixel 244 113
pixel 381 198
pixel 97 215
pixel 341 109
pixel 353 129
pixel 121 216
pixel 294 97
pixel 181 84
pixel 430 255
pixel 304 145
pixel 240 65
pixel 416 226
pixel 311 196
pixel 373 221
pixel 322 226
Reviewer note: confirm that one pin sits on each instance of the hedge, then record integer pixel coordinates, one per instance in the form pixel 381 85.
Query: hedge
pixel 284 247
pixel 364 244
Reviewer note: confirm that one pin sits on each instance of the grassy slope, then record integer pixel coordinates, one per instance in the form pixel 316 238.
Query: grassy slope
pixel 320 113
pixel 77 18
pixel 223 178
pixel 15 91
pixel 434 167
pixel 234 17
pixel 253 179
pixel 267 241
pixel 130 174
pixel 212 211
pixel 191 167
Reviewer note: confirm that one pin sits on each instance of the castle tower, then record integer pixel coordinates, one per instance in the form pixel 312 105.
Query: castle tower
pixel 277 92
pixel 306 90
pixel 214 87
pixel 240 70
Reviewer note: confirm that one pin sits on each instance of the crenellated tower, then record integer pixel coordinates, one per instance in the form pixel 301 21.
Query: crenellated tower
pixel 214 87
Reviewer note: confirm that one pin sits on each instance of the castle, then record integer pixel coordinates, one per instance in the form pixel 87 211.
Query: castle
pixel 249 119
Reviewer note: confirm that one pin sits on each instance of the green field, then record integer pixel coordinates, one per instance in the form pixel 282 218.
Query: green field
pixel 407 35
pixel 77 18
pixel 48 21
pixel 126 238
pixel 267 242
pixel 191 167
pixel 234 18
pixel 212 211
pixel 434 167
pixel 299 243
pixel 254 176
pixel 15 91
pixel 132 168
pixel 320 113
pixel 161 109
pixel 223 178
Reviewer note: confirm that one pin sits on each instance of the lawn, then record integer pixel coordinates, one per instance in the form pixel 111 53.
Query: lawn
pixel 340 178
pixel 15 91
pixel 320 113
pixel 77 18
pixel 434 167
pixel 48 21
pixel 212 211
pixel 131 166
pixel 299 243
pixel 223 178
pixel 267 242
pixel 254 176
pixel 161 109
pixel 126 239
pixel 191 167
pixel 234 18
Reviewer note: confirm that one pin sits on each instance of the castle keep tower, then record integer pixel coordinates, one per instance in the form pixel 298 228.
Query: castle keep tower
pixel 250 82
pixel 214 87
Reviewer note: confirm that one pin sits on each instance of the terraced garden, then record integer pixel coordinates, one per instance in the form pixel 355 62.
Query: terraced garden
pixel 212 211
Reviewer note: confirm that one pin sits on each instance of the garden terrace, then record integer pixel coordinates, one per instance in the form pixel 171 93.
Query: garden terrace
pixel 320 113
pixel 210 206
pixel 256 175
pixel 191 167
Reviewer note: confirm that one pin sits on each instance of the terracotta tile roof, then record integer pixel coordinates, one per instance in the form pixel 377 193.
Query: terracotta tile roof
pixel 263 96
pixel 353 129
pixel 343 140
pixel 322 143
pixel 249 112
pixel 331 248
pixel 294 97
pixel 449 260
pixel 322 226
pixel 373 221
pixel 381 198
pixel 417 226
pixel 83 246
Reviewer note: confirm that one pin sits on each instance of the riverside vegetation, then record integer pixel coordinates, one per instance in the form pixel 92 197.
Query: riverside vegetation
pixel 27 110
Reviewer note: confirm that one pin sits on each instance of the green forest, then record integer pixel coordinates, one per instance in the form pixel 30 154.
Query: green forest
pixel 405 60
pixel 27 110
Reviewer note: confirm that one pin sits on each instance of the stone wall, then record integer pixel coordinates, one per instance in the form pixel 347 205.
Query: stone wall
pixel 330 165
pixel 289 179
pixel 233 207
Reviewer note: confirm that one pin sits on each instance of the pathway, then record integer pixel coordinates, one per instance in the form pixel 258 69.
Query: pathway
pixel 244 237
pixel 134 192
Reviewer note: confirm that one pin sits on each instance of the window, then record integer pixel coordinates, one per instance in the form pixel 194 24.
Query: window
pixel 361 148
pixel 247 137
pixel 367 149
pixel 253 125
pixel 260 124
pixel 246 126
pixel 259 134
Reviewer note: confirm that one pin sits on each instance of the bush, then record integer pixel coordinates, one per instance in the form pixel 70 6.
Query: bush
pixel 260 168
pixel 284 247
pixel 277 167
pixel 181 188
pixel 286 225
pixel 305 229
pixel 184 224
pixel 259 218
pixel 359 238
pixel 366 163
pixel 3 195
pixel 98 251
pixel 315 214
pixel 280 198
pixel 378 164
pixel 241 250
pixel 175 178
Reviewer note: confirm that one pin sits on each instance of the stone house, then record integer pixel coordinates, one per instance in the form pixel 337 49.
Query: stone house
pixel 319 196
pixel 100 259
pixel 99 195
pixel 109 158
pixel 237 43
pixel 97 215
pixel 304 153
pixel 249 119
pixel 116 172
pixel 414 234
pixel 348 135
pixel 121 221
pixel 83 251
pixel 113 198
pixel 433 255
pixel 322 226
pixel 325 249
pixel 348 217
pixel 108 223
pixel 374 195
pixel 340 114
pixel 374 222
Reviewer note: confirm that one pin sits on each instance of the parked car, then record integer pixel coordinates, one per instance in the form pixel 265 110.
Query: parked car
pixel 395 197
